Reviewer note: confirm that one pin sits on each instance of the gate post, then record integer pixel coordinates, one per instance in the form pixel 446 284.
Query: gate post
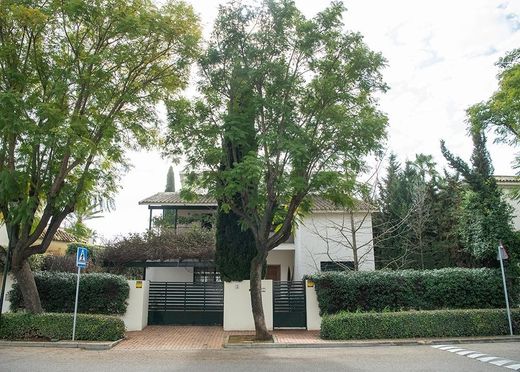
pixel 312 307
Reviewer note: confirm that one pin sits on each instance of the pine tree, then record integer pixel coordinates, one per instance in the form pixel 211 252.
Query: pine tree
pixel 485 217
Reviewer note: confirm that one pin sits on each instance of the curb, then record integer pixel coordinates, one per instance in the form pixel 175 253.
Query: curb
pixel 407 342
pixel 85 345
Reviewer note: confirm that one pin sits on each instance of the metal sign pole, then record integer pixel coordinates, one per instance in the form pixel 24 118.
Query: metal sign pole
pixel 500 257
pixel 76 305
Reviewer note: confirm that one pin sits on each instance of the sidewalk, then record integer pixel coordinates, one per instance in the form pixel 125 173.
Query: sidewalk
pixel 199 338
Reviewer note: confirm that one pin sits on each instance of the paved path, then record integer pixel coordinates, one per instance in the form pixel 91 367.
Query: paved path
pixel 199 338
pixel 383 358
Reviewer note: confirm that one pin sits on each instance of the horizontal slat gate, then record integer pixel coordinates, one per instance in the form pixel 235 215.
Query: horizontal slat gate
pixel 289 308
pixel 186 303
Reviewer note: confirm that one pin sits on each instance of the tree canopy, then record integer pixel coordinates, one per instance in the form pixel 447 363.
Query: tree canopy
pixel 502 111
pixel 78 87
pixel 312 97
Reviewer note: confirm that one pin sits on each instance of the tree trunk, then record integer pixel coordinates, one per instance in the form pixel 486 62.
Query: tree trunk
pixel 25 279
pixel 262 334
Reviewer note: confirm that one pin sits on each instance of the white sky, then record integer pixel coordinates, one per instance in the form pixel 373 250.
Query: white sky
pixel 441 57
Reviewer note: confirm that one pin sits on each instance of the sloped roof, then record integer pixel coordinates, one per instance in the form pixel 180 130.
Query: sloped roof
pixel 507 179
pixel 174 199
pixel 61 236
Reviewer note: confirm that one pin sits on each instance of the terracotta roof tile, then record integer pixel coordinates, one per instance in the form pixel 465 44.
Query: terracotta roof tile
pixel 61 236
pixel 174 199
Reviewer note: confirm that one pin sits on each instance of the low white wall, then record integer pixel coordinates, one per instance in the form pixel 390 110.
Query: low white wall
pixel 169 274
pixel 136 316
pixel 8 286
pixel 238 314
pixel 313 309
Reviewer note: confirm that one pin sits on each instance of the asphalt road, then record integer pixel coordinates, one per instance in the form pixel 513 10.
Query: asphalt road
pixel 382 358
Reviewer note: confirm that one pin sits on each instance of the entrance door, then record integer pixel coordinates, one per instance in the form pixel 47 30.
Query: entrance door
pixel 289 310
pixel 274 272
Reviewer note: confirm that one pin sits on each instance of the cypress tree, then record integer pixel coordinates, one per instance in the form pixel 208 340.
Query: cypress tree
pixel 235 245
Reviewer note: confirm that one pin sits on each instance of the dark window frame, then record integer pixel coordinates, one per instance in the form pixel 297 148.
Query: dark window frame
pixel 326 266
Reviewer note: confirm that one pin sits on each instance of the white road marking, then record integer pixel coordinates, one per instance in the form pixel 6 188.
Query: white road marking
pixel 501 362
pixel 487 359
pixel 497 361
pixel 466 352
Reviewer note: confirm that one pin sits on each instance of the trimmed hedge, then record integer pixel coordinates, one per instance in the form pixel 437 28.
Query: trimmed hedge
pixel 411 324
pixel 24 326
pixel 99 293
pixel 451 288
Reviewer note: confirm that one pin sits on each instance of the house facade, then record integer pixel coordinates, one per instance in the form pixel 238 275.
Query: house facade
pixel 328 238
pixel 508 184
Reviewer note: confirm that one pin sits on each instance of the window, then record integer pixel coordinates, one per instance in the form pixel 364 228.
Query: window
pixel 205 275
pixel 336 265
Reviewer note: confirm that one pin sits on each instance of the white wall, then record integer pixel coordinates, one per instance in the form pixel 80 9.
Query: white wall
pixel 312 235
pixel 4 241
pixel 515 204
pixel 238 314
pixel 283 258
pixel 312 307
pixel 136 316
pixel 169 274
pixel 8 286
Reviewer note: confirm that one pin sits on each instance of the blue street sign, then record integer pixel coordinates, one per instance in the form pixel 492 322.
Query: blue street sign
pixel 82 257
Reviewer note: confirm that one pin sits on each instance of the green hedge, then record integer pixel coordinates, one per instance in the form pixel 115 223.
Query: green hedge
pixel 24 326
pixel 99 293
pixel 411 324
pixel 452 288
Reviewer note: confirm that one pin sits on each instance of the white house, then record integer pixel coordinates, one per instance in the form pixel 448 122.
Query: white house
pixel 508 184
pixel 322 241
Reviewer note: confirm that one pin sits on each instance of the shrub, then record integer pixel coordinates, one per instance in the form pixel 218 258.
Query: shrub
pixel 410 324
pixel 24 326
pixel 66 264
pixel 451 288
pixel 99 293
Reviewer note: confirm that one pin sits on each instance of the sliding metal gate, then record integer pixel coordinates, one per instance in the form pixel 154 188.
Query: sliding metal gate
pixel 186 303
pixel 289 308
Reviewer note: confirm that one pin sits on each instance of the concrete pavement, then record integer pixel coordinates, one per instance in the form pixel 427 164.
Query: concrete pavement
pixel 382 358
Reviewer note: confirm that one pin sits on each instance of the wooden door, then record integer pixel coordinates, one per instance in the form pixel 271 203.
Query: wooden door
pixel 274 272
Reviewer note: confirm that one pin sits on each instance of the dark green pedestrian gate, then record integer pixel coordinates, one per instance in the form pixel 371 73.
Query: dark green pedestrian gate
pixel 186 303
pixel 289 308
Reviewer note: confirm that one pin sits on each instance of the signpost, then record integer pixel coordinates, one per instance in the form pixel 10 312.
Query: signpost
pixel 81 262
pixel 502 255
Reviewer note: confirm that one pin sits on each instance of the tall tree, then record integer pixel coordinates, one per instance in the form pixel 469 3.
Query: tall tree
pixel 168 217
pixel 170 180
pixel 312 89
pixel 78 86
pixel 486 218
pixel 235 243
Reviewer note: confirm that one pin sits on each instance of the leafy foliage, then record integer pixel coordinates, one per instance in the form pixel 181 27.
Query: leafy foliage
pixel 79 84
pixel 417 226
pixel 486 218
pixel 235 248
pixel 502 111
pixel 24 326
pixel 308 90
pixel 412 324
pixel 452 288
pixel 99 293
pixel 160 246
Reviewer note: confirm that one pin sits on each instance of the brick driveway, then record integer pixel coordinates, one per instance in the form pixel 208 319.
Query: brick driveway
pixel 200 337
